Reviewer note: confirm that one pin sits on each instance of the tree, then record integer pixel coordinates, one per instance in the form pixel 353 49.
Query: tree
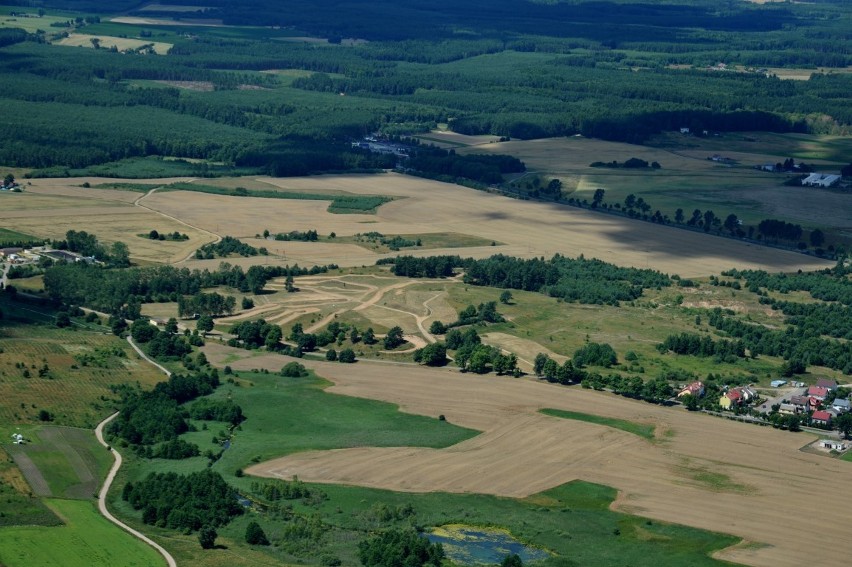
pixel 207 537
pixel 62 319
pixel 432 355
pixel 369 336
pixel 204 324
pixel 598 198
pixel 9 180
pixel 394 338
pixel 171 326
pixel 506 297
pixel 400 547
pixel 817 238
pixel 346 356
pixel 437 328
pixel 512 560
pixel 294 370
pixel 331 355
pixel 844 424
pixel 273 338
pixel 731 223
pixel 255 535
pixel 96 42
pixel 119 255
pixel 679 216
pixel 247 303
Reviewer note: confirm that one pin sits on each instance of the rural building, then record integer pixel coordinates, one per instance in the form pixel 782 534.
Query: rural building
pixel 821 180
pixel 788 409
pixel 694 389
pixel 777 383
pixel 841 406
pixel 826 383
pixel 833 444
pixel 731 399
pixel 818 392
pixel 802 403
pixel 821 418
pixel 62 256
pixel 6 252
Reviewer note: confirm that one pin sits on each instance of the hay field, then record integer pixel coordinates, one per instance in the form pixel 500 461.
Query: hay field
pixel 527 229
pixel 48 208
pixel 700 471
pixel 107 42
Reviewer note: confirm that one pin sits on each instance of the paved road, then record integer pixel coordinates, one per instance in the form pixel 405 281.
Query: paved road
pixel 102 496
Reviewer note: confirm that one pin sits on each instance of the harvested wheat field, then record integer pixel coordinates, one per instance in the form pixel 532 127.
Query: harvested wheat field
pixel 527 229
pixel 48 208
pixel 701 471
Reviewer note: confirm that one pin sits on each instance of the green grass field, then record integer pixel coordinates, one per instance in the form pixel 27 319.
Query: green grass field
pixel 286 415
pixel 340 204
pixel 87 540
pixel 642 430
pixel 8 237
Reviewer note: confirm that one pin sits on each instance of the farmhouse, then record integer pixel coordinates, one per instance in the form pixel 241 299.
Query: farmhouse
pixel 820 180
pixel 803 403
pixel 821 418
pixel 7 252
pixel 818 392
pixel 694 389
pixel 841 406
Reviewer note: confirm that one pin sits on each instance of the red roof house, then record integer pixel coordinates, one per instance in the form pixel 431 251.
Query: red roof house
pixel 821 418
pixel 818 392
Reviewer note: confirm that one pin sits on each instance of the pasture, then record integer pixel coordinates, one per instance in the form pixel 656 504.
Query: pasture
pixel 736 479
pixel 86 540
pixel 62 462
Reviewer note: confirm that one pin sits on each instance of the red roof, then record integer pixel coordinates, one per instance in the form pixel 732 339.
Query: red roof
pixel 822 416
pixel 734 395
pixel 818 391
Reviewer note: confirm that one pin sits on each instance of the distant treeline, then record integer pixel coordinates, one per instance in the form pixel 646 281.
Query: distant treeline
pixel 581 280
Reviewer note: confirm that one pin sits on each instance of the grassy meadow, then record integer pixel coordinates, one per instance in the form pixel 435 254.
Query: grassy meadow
pixel 640 429
pixel 86 540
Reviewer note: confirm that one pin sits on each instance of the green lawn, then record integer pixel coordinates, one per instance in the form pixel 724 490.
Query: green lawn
pixel 642 430
pixel 8 237
pixel 87 540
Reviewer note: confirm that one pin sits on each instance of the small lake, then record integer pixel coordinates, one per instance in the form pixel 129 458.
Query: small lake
pixel 472 545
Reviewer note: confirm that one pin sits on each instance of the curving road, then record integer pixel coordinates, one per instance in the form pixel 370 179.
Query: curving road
pixel 102 496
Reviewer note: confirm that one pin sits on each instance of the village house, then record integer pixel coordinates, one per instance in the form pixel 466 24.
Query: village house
pixel 818 392
pixel 694 389
pixel 826 383
pixel 735 397
pixel 821 418
pixel 841 406
pixel 802 403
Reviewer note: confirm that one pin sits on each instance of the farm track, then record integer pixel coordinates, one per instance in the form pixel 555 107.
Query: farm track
pixel 102 496
pixel 138 203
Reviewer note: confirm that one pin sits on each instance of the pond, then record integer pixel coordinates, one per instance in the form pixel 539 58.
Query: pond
pixel 473 545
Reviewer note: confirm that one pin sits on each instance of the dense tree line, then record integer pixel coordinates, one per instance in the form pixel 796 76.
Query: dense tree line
pixel 446 164
pixel 211 304
pixel 183 502
pixel 565 374
pixel 655 391
pixel 826 285
pixel 581 280
pixel 800 347
pixel 828 319
pixel 217 410
pixel 114 291
pixel 404 547
pixel 703 346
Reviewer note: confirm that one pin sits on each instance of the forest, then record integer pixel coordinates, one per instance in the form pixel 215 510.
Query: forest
pixel 516 69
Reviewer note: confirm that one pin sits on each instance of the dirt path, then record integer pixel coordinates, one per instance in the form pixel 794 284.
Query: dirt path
pixel 102 496
pixel 138 203
pixel 146 358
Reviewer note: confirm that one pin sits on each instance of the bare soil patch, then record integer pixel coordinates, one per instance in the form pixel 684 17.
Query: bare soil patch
pixel 709 473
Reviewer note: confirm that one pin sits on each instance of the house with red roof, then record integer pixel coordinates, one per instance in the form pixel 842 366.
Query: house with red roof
pixel 731 399
pixel 694 389
pixel 818 392
pixel 821 417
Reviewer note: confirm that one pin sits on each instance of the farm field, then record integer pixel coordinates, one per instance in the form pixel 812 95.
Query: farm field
pixel 73 396
pixel 87 540
pixel 421 207
pixel 108 42
pixel 736 479
pixel 526 229
pixel 689 180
